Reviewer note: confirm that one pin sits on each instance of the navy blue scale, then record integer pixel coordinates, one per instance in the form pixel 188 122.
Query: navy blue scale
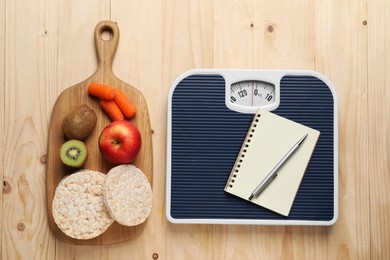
pixel 207 136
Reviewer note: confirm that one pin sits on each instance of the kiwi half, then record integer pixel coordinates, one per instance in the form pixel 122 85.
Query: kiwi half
pixel 73 153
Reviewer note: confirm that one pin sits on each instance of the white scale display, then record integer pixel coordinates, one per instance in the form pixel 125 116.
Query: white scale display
pixel 252 93
pixel 248 90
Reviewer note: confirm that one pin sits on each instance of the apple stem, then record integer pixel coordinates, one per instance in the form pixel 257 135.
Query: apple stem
pixel 115 142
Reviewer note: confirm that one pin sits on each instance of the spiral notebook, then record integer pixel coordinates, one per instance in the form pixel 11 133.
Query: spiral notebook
pixel 268 139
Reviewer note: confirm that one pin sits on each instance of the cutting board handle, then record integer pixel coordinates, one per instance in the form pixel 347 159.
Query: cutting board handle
pixel 106 48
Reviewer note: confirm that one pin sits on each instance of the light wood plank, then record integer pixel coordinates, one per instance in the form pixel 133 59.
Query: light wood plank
pixel 76 51
pixel 4 187
pixel 29 47
pixel 187 31
pixel 264 35
pixel 341 55
pixel 378 167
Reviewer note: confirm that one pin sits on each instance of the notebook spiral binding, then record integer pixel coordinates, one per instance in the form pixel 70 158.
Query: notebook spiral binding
pixel 243 150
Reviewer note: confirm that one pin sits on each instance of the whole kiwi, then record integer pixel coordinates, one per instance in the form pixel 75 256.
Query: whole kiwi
pixel 79 122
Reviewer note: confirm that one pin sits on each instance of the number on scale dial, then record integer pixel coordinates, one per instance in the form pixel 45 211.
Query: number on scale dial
pixel 252 93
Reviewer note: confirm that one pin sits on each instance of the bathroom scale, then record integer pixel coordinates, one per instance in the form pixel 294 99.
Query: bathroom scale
pixel 209 113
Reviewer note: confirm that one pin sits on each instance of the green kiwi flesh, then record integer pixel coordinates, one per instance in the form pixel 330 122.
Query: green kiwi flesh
pixel 73 153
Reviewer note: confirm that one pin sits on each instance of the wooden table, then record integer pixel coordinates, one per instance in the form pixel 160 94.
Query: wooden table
pixel 47 46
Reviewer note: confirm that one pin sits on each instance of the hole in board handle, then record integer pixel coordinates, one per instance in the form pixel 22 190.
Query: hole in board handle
pixel 106 33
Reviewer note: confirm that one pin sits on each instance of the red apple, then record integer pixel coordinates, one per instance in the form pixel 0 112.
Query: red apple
pixel 120 142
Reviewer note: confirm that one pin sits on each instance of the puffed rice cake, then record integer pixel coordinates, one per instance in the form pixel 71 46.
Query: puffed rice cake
pixel 128 195
pixel 78 205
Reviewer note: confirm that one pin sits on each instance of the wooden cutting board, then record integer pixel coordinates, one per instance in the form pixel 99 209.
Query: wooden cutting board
pixel 77 95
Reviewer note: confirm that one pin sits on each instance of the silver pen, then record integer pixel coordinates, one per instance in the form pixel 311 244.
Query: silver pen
pixel 274 172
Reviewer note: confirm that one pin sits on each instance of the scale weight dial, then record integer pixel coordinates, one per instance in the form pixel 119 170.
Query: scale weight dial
pixel 248 90
pixel 252 93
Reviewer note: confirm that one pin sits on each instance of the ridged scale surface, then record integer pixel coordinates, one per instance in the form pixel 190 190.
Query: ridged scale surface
pixel 207 136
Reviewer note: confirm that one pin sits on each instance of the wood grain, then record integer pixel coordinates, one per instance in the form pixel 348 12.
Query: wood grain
pixel 378 93
pixel 48 47
pixel 333 55
pixel 77 95
pixel 24 101
pixel 3 184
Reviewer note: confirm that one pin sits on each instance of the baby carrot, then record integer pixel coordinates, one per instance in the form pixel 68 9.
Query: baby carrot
pixel 124 104
pixel 111 109
pixel 101 91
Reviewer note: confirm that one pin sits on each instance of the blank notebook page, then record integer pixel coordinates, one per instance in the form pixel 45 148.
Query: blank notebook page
pixel 268 139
